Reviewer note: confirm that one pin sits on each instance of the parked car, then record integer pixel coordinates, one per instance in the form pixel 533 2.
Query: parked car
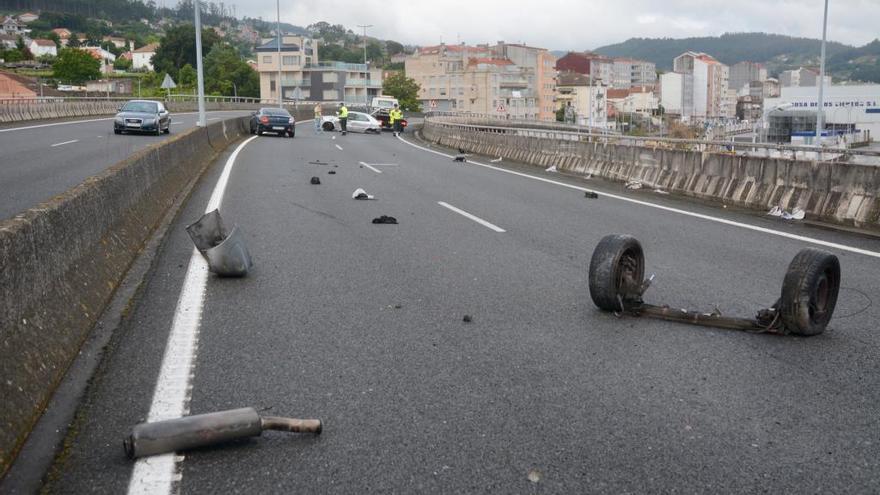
pixel 142 116
pixel 276 120
pixel 357 122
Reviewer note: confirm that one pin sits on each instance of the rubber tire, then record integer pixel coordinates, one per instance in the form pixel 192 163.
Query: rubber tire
pixel 813 277
pixel 168 129
pixel 259 132
pixel 291 134
pixel 328 127
pixel 117 131
pixel 605 269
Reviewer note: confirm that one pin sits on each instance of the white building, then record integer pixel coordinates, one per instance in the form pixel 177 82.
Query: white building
pixel 707 96
pixel 142 58
pixel 43 47
pixel 804 76
pixel 672 92
pixel 574 91
pixel 106 58
pixel 855 105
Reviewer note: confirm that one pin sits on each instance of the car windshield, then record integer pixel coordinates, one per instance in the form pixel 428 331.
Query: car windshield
pixel 384 103
pixel 141 106
pixel 275 112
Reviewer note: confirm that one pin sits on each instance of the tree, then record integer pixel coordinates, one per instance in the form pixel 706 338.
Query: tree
pixel 374 51
pixel 76 66
pixel 55 38
pixel 187 76
pixel 393 48
pixel 178 48
pixel 405 89
pixel 122 63
pixel 227 74
pixel 73 42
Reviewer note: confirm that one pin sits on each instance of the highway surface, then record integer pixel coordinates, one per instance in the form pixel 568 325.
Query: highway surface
pixel 40 160
pixel 362 325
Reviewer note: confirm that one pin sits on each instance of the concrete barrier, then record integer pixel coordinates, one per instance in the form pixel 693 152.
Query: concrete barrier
pixel 61 261
pixel 841 193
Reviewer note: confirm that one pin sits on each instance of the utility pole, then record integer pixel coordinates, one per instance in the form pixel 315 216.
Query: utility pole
pixel 201 72
pixel 820 112
pixel 278 35
pixel 366 68
pixel 590 130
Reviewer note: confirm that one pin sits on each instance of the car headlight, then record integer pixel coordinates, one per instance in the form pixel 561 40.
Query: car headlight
pixel 291 121
pixel 118 119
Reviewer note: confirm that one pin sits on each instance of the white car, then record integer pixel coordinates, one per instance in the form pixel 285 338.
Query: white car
pixel 357 122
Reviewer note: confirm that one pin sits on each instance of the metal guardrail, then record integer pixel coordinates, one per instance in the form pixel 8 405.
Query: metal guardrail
pixel 550 131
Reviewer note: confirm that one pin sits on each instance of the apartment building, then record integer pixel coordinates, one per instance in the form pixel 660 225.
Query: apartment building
pixel 619 73
pixel 706 97
pixel 588 102
pixel 638 99
pixel 317 81
pixel 744 73
pixel 802 77
pixel 482 79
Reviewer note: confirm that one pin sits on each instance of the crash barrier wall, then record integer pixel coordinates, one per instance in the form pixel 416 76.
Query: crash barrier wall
pixel 842 193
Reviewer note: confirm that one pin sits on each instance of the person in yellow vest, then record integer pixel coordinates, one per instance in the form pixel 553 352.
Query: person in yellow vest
pixel 342 113
pixel 395 118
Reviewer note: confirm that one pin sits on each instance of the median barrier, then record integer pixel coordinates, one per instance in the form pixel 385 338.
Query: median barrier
pixel 835 192
pixel 61 261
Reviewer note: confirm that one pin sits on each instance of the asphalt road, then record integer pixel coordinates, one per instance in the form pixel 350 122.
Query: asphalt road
pixel 362 326
pixel 43 159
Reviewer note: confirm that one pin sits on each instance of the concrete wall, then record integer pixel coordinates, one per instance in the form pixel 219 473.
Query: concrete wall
pixel 61 262
pixel 832 192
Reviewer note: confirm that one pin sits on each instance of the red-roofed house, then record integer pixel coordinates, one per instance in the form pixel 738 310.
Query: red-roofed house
pixel 106 58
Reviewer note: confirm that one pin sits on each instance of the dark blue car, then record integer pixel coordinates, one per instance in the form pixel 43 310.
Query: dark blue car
pixel 275 120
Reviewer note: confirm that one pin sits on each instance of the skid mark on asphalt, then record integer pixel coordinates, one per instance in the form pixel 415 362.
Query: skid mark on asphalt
pixel 764 230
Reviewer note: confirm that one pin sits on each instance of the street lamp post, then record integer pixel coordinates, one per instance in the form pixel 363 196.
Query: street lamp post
pixel 820 112
pixel 199 68
pixel 366 69
pixel 278 37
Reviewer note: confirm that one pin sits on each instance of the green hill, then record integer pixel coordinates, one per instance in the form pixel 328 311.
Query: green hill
pixel 776 51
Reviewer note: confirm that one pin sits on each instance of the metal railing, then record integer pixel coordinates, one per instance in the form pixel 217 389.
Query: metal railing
pixel 338 66
pixel 471 123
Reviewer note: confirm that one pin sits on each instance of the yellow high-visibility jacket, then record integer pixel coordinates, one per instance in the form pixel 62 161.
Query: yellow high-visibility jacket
pixel 394 115
pixel 343 112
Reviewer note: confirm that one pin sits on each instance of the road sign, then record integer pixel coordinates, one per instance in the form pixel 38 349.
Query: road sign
pixel 297 93
pixel 433 103
pixel 168 83
pixel 500 108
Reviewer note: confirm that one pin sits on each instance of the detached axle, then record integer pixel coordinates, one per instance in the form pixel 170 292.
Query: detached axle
pixel 809 291
pixel 208 429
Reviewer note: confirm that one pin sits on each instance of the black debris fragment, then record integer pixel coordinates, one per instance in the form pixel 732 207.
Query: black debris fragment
pixel 460 158
pixel 591 195
pixel 332 172
pixel 467 319
pixel 315 180
pixel 385 219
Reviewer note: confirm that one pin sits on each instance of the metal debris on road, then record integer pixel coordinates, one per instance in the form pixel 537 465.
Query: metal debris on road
pixel 361 194
pixel 315 180
pixel 203 430
pixel 385 219
pixel 805 306
pixel 226 253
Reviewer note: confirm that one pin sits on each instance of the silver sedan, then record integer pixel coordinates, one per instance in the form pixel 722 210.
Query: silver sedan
pixel 357 122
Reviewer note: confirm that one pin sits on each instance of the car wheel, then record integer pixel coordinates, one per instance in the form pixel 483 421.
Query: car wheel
pixel 292 133
pixel 616 271
pixel 809 292
pixel 327 126
pixel 167 129
pixel 259 132
pixel 117 131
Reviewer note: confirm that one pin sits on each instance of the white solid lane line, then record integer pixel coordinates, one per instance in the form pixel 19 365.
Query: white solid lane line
pixel 158 474
pixel 374 169
pixel 810 240
pixel 472 217
pixel 65 142
pixel 39 126
pixel 339 147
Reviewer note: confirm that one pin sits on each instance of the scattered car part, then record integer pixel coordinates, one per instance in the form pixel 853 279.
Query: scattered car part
pixel 315 180
pixel 227 254
pixel 809 291
pixel 591 195
pixel 551 168
pixel 385 219
pixel 203 430
pixel 460 158
pixel 361 194
pixel 467 319
pixel 332 172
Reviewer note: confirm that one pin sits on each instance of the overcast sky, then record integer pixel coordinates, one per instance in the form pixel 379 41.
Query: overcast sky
pixel 576 24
